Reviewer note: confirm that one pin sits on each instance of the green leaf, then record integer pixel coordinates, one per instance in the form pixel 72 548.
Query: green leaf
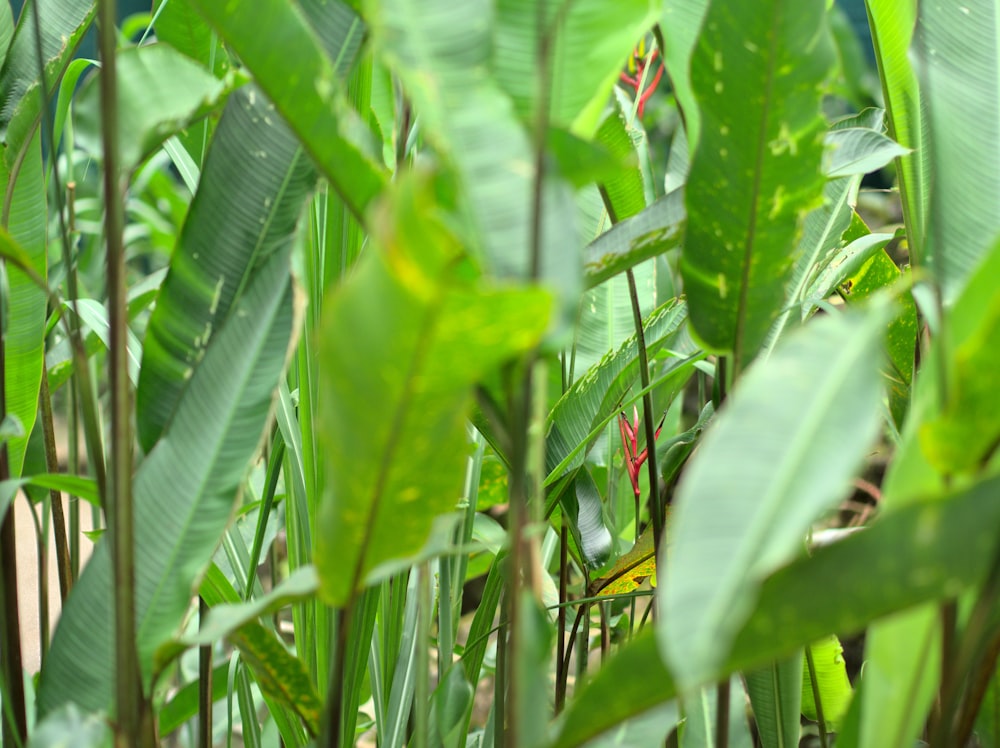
pixel 184 704
pixel 630 570
pixel 25 220
pixel 700 717
pixel 821 234
pixel 655 230
pixel 227 234
pixel 758 73
pixel 94 315
pixel 63 24
pixel 223 619
pixel 966 434
pixel 596 396
pixel 69 726
pixel 988 719
pixel 937 548
pixel 832 683
pixel 74 485
pixel 859 150
pixel 280 674
pixel 160 92
pixel 958 49
pixel 681 25
pixel 625 191
pixel 879 273
pixel 651 728
pixel 303 82
pixel 588 42
pixel 402 342
pixel 178 24
pixel 846 263
pixel 892 23
pixel 776 695
pixel 779 437
pixel 584 508
pixel 451 699
pixel 180 514
pixel 432 45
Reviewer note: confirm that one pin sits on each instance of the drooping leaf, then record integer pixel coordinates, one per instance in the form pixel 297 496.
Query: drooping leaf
pixel 180 514
pixel 858 150
pixel 655 230
pixel 785 464
pixel 279 673
pixel 594 396
pixel 625 190
pixel 408 316
pixel 629 571
pixel 758 74
pixel 821 234
pixel 225 618
pixel 227 234
pixel 845 264
pixel 160 91
pixel 63 25
pixel 584 508
pixel 938 548
pixel 303 82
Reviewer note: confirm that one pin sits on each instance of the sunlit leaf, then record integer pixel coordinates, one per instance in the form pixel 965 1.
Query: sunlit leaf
pixel 403 341
pixel 778 436
pixel 758 74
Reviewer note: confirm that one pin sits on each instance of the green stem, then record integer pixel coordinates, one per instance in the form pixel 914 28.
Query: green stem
pixel 421 696
pixel 820 720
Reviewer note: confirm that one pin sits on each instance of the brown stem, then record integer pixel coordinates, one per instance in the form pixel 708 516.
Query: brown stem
pixel 204 684
pixel 722 714
pixel 561 667
pixel 63 564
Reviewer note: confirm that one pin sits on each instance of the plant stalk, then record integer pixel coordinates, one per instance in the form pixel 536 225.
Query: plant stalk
pixel 820 719
pixel 63 563
pixel 15 724
pixel 128 681
pixel 561 667
pixel 722 714
pixel 204 684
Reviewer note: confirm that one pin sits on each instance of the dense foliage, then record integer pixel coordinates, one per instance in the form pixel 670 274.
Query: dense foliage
pixel 503 372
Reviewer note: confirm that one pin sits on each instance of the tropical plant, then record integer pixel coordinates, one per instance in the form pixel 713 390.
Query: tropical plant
pixel 501 372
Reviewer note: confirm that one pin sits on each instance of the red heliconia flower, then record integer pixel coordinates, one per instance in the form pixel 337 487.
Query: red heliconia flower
pixel 637 64
pixel 629 432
